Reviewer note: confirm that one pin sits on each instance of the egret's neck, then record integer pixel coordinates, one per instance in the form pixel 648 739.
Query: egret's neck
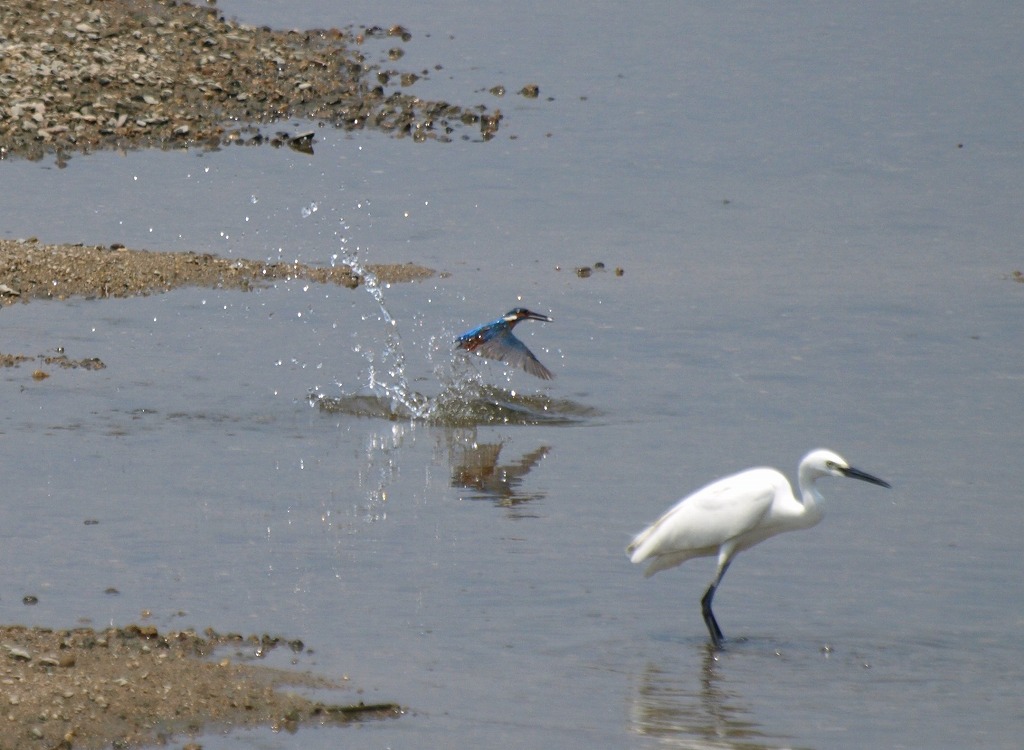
pixel 812 504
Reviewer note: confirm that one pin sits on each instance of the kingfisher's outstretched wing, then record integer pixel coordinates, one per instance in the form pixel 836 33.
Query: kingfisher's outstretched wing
pixel 505 347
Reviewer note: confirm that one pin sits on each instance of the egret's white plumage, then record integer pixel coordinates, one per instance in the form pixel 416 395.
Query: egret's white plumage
pixel 735 513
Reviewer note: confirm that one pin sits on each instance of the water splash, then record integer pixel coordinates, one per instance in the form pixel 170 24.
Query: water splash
pixel 386 377
pixel 463 407
pixel 462 399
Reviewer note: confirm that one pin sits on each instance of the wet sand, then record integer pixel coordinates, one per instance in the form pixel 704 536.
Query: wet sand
pixel 121 74
pixel 31 270
pixel 133 686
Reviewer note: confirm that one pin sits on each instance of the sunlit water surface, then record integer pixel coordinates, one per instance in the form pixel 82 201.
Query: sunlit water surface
pixel 817 212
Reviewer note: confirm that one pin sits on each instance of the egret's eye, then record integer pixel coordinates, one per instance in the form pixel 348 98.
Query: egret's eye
pixel 830 464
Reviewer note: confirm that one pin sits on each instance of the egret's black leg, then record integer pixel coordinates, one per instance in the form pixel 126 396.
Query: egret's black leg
pixel 705 607
pixel 709 617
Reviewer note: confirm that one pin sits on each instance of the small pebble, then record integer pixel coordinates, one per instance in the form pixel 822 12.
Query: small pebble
pixel 19 653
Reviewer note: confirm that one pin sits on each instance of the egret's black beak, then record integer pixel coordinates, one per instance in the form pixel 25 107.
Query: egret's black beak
pixel 530 315
pixel 853 473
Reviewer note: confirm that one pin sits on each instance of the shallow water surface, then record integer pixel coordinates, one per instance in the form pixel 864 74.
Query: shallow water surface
pixel 817 215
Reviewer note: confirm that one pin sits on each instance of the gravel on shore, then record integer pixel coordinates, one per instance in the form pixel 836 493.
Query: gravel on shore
pixel 83 689
pixel 31 270
pixel 78 76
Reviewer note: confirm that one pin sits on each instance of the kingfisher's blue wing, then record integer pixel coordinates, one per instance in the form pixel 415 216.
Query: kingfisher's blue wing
pixel 471 339
pixel 505 347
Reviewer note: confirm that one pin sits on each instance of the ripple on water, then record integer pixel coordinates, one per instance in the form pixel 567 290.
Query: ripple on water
pixel 461 407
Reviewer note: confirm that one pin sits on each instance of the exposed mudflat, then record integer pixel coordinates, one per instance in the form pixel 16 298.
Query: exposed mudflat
pixel 30 270
pixel 78 77
pixel 134 686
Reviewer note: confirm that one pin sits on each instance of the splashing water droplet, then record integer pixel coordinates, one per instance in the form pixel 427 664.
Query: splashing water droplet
pixel 462 400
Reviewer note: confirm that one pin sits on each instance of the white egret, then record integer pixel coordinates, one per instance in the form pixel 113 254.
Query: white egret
pixel 735 513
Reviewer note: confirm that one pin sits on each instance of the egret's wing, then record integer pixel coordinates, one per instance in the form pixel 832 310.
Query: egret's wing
pixel 507 348
pixel 702 522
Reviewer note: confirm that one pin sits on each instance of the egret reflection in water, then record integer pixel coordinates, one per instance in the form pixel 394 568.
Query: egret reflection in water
pixel 668 706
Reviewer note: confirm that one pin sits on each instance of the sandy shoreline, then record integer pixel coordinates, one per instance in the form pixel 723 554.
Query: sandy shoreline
pixel 31 270
pixel 133 686
pixel 122 74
